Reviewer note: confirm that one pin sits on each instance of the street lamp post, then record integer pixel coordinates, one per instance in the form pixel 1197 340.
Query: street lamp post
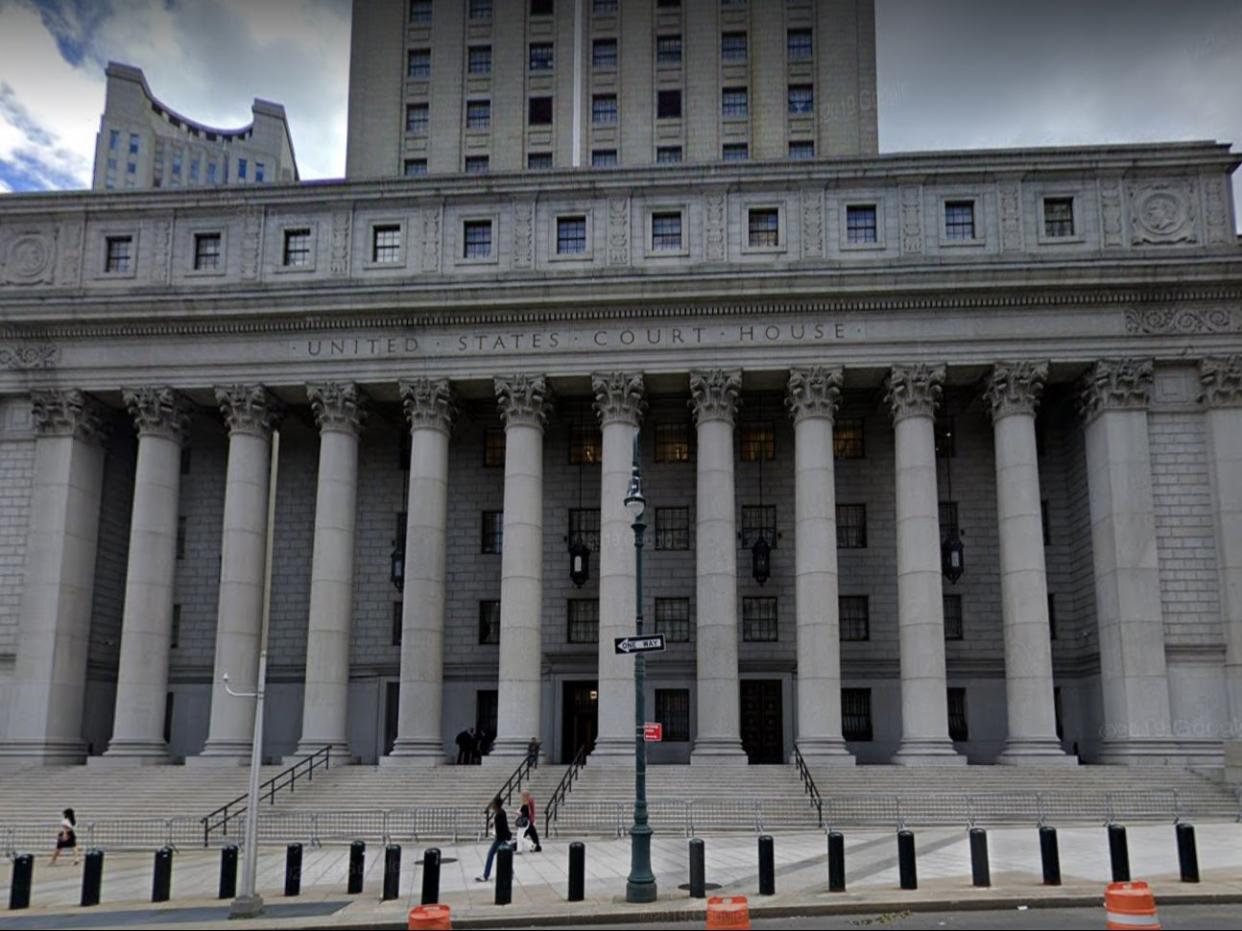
pixel 641 884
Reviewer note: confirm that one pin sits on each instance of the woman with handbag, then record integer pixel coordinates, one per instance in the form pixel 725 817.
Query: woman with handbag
pixel 527 814
pixel 67 836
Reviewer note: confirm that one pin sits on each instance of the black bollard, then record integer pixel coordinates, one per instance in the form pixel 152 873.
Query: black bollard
pixel 836 861
pixel 1050 856
pixel 504 874
pixel 1187 855
pixel 161 882
pixel 431 877
pixel 905 860
pixel 23 877
pixel 767 865
pixel 228 872
pixel 1119 853
pixel 980 874
pixel 698 869
pixel 92 877
pixel 577 871
pixel 357 866
pixel 392 872
pixel 293 869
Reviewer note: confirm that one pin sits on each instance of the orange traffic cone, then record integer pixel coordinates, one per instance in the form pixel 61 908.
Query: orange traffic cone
pixel 728 912
pixel 430 918
pixel 1130 905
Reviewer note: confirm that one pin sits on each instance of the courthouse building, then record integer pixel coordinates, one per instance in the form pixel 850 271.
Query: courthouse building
pixel 942 451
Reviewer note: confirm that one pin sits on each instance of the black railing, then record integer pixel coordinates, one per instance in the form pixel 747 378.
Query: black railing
pixel 512 784
pixel 563 788
pixel 808 785
pixel 219 819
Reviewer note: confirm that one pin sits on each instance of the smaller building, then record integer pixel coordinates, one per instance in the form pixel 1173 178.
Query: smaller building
pixel 143 144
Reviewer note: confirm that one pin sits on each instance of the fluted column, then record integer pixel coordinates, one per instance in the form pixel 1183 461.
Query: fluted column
pixel 430 409
pixel 250 413
pixel 619 403
pixel 814 394
pixel 524 405
pixel 718 740
pixel 1012 394
pixel 161 417
pixel 339 412
pixel 1113 400
pixel 912 393
pixel 49 676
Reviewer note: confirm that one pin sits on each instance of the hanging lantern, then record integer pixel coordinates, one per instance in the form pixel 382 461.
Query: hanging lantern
pixel 952 562
pixel 579 562
pixel 761 560
pixel 397 567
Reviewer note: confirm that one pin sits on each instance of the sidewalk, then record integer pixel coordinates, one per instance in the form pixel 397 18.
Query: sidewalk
pixel 540 880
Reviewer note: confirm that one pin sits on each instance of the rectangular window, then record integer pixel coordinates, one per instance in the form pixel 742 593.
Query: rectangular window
pixel 118 256
pixel 603 158
pixel 571 240
pixel 1052 616
pixel 489 621
pixel 673 714
pixel 583 620
pixel 538 160
pixel 206 251
pixel 493 531
pixel 1058 217
pixel 948 519
pixel 953 629
pixel 418 63
pixel 801 99
pixel 420 12
pixel 540 7
pixel 604 54
pixel 764 227
pixel 668 105
pixel 733 46
pixel 668 4
pixel 668 154
pixel 672 442
pixel 480 10
pixel 211 171
pixel 584 526
pixel 758 440
pixel 398 608
pixel 194 163
pixel 494 447
pixel 175 638
pixel 759 620
pixel 958 731
pixel 851 526
pixel 668 50
pixel 133 143
pixel 182 525
pixel 855 617
pixel 604 7
pixel 417 118
pixel 735 152
pixel 798 46
pixel 476 164
pixel 539 111
pixel 847 439
pixel 478 114
pixel 386 244
pixel 415 167
pixel 959 219
pixel 672 618
pixel 733 103
pixel 856 714
pixel 297 248
pixel 672 528
pixel 541 56
pixel 801 151
pixel 258 172
pixel 114 137
pixel 479 60
pixel 604 109
pixel 666 231
pixel 860 224
pixel 241 169
pixel 758 520
pixel 477 239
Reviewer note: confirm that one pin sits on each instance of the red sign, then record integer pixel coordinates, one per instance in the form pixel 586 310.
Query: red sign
pixel 653 733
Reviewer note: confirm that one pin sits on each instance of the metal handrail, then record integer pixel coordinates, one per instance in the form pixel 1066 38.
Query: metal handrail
pixel 563 788
pixel 512 784
pixel 219 819
pixel 808 785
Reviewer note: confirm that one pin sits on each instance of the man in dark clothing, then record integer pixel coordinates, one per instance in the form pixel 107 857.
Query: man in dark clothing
pixel 503 835
pixel 465 748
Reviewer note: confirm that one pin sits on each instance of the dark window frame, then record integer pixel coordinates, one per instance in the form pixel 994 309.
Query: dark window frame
pixel 672 618
pixel 851 526
pixel 489 621
pixel 760 619
pixel 672 528
pixel 854 618
pixel 492 534
pixel 582 620
pixel 672 711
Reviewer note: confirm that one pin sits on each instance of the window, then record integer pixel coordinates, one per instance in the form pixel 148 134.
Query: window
pixel 479 60
pixel 194 163
pixel 584 525
pixel 672 708
pixel 489 621
pixel 175 637
pixel 398 608
pixel 494 447
pixel 668 50
pixel 959 219
pixel 386 244
pixel 856 714
pixel 668 105
pixel 477 239
pixel 415 167
pixel 604 7
pixel 733 4
pixel 541 56
pixel 539 111
pixel 181 536
pixel 948 519
pixel 1058 217
pixel 476 164
pixel 860 224
pixel 297 248
pixel 417 117
pixel 571 240
pixel 478 114
pixel 851 526
pixel 420 12
pixel 1052 616
pixel 418 63
pixel 603 109
pixel 672 528
pixel 672 442
pixel 604 54
pixel 668 154
pixel 953 617
pixel 538 160
pixel 733 103
pixel 735 152
pixel 241 168
pixel 493 531
pixel 764 227
pixel 133 143
pixel 480 9
pixel 259 172
pixel 583 620
pixel 666 231
pixel 958 730
pixel 176 165
pixel 758 440
pixel 603 158
pixel 798 46
pixel 672 618
pixel 855 617
pixel 668 3
pixel 946 442
pixel 206 251
pixel 585 445
pixel 114 137
pixel 540 7
pixel 117 255
pixel 801 151
pixel 758 520
pixel 759 620
pixel 733 46
pixel 801 99
pixel 847 439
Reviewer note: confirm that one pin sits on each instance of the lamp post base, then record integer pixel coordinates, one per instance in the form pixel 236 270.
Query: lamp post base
pixel 640 886
pixel 246 906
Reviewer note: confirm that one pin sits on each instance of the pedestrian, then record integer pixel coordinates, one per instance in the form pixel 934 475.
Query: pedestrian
pixel 500 821
pixel 526 821
pixel 532 753
pixel 67 836
pixel 465 748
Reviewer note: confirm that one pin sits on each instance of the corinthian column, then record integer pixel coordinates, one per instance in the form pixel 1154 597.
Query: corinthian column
pixel 338 410
pixel 814 394
pixel 53 637
pixel 713 396
pixel 162 417
pixel 430 407
pixel 912 393
pixel 1012 393
pixel 524 405
pixel 250 413
pixel 619 403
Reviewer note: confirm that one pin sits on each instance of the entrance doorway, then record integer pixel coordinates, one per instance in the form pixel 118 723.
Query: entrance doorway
pixel 392 704
pixel 581 719
pixel 763 730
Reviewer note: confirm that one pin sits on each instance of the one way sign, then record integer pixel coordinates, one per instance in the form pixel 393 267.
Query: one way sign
pixel 626 645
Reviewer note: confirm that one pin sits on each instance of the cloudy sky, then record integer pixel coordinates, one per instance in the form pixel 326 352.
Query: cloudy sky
pixel 953 74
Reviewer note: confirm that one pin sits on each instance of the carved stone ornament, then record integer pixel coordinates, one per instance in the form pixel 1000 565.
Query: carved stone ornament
pixel 524 400
pixel 429 403
pixel 1163 212
pixel 814 392
pixel 523 234
pixel 29 355
pixel 619 397
pixel 1221 379
pixel 1015 388
pixel 338 406
pixel 158 412
pixel 713 394
pixel 911 219
pixel 30 258
pixel 68 413
pixel 249 408
pixel 1174 320
pixel 1115 384
pixel 618 231
pixel 913 390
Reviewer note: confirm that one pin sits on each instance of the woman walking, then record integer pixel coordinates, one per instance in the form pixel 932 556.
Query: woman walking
pixel 503 836
pixel 526 821
pixel 67 836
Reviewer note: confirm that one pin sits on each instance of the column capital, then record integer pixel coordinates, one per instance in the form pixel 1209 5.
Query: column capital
pixel 619 397
pixel 158 412
pixel 713 394
pixel 1014 388
pixel 1115 384
pixel 338 406
pixel 814 392
pixel 429 403
pixel 1221 378
pixel 524 400
pixel 68 412
pixel 249 408
pixel 913 390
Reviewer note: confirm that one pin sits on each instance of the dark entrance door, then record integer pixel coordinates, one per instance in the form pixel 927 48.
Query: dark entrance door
pixel 581 719
pixel 392 702
pixel 763 731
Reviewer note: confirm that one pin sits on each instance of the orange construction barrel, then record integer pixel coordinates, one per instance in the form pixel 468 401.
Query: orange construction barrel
pixel 728 912
pixel 430 918
pixel 1130 905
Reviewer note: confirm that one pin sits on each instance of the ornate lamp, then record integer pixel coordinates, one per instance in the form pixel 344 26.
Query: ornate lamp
pixel 952 558
pixel 579 562
pixel 761 560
